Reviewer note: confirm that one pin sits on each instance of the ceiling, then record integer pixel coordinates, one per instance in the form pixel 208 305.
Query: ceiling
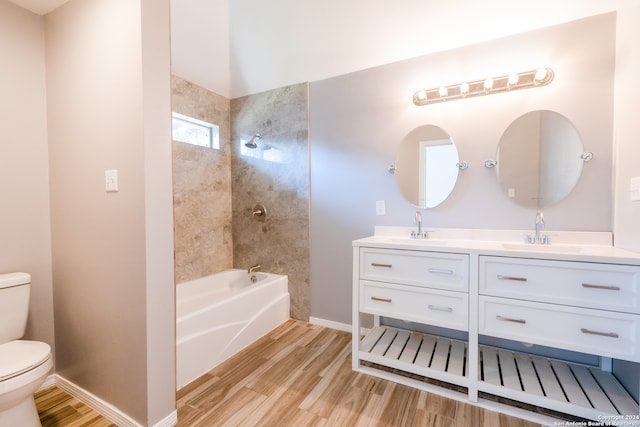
pixel 41 7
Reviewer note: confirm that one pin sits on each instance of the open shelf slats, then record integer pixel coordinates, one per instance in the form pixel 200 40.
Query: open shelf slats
pixel 440 358
pixel 548 380
pixel 584 391
pixel 580 390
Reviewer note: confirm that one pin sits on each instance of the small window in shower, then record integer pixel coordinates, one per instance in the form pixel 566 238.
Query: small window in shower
pixel 194 131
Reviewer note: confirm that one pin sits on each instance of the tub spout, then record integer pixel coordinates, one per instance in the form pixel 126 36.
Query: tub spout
pixel 254 268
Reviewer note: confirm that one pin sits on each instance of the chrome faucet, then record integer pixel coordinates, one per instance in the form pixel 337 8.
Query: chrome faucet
pixel 419 234
pixel 254 268
pixel 537 238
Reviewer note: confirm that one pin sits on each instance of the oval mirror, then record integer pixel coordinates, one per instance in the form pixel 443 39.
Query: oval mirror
pixel 539 159
pixel 425 166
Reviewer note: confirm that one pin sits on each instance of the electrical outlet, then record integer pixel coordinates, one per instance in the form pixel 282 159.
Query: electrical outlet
pixel 381 207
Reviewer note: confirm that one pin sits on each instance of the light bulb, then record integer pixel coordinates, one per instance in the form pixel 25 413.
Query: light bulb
pixel 513 79
pixel 488 84
pixel 443 92
pixel 421 95
pixel 541 74
pixel 464 89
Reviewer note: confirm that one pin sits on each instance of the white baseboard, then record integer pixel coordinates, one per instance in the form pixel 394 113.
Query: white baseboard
pixel 169 421
pixel 330 324
pixel 345 327
pixel 104 408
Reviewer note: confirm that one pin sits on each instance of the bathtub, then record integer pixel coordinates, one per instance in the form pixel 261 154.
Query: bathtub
pixel 219 315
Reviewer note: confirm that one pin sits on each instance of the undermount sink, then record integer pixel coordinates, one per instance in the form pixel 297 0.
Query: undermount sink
pixel 543 248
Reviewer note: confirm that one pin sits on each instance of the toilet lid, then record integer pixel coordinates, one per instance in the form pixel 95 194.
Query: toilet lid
pixel 20 356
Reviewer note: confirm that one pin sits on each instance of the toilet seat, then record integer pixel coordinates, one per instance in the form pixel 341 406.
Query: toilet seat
pixel 20 356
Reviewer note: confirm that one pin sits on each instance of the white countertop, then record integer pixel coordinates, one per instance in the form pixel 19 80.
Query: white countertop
pixel 565 245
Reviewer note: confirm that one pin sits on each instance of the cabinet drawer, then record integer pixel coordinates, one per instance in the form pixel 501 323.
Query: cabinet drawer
pixel 597 332
pixel 434 307
pixel 428 269
pixel 582 284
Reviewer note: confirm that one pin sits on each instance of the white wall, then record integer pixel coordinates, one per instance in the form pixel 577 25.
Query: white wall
pixel 160 324
pixel 281 42
pixel 25 242
pixel 266 45
pixel 627 126
pixel 200 43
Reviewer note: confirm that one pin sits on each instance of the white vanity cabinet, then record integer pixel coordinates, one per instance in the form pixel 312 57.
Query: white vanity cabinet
pixel 600 286
pixel 587 307
pixel 578 303
pixel 417 286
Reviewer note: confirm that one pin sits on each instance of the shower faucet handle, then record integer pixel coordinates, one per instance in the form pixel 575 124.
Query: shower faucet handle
pixel 259 212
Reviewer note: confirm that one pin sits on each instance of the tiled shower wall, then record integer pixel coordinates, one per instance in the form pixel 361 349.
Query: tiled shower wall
pixel 201 188
pixel 215 190
pixel 276 175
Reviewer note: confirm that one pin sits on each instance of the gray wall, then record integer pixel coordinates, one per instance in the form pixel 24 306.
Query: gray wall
pixel 357 121
pixel 108 103
pixel 25 232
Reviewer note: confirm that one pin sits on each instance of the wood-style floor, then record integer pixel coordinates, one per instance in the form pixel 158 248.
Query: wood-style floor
pixel 297 375
pixel 57 408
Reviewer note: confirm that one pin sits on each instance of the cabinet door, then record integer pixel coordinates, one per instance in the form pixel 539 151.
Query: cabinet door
pixel 582 284
pixel 599 332
pixel 428 269
pixel 431 306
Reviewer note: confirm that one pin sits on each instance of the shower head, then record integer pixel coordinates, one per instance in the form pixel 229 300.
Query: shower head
pixel 252 142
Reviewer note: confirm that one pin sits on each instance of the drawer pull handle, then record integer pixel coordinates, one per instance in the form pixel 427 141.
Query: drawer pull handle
pixel 510 319
pixel 605 287
pixel 438 308
pixel 440 271
pixel 375 264
pixel 517 279
pixel 602 334
pixel 381 299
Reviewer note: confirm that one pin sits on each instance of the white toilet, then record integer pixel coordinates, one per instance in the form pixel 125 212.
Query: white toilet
pixel 24 365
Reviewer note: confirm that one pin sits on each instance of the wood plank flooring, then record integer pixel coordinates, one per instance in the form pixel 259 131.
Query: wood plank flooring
pixel 300 375
pixel 297 375
pixel 57 408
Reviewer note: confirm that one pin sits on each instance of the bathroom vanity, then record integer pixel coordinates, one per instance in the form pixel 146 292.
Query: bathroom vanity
pixel 578 294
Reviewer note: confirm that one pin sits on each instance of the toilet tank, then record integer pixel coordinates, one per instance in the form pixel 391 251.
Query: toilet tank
pixel 14 305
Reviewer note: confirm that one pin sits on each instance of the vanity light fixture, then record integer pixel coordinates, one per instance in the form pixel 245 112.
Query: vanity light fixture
pixel 490 85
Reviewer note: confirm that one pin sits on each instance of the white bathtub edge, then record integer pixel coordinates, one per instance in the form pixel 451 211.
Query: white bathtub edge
pixel 249 330
pixel 261 323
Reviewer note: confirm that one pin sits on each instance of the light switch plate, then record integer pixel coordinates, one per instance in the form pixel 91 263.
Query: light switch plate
pixel 634 189
pixel 111 180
